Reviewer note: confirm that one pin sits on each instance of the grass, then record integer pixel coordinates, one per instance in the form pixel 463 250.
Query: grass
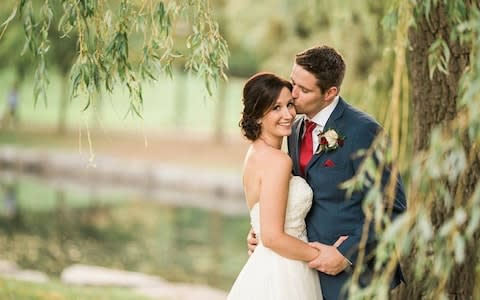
pixel 161 102
pixel 160 105
pixel 43 138
pixel 54 290
pixel 34 196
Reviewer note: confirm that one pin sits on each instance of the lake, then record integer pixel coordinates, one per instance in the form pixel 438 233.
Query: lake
pixel 48 225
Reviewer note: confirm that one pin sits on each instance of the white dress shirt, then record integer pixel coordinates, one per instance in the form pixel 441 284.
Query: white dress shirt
pixel 321 119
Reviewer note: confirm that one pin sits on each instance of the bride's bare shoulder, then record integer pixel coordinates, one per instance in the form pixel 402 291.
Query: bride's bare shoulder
pixel 268 159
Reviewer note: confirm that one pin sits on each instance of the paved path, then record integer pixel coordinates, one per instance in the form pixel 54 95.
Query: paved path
pixel 212 189
pixel 153 287
pixel 10 270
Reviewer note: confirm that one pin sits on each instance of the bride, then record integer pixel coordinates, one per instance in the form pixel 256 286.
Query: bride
pixel 277 201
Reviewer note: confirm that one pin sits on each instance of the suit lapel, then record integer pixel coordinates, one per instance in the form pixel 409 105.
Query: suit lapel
pixel 296 144
pixel 332 123
pixel 336 114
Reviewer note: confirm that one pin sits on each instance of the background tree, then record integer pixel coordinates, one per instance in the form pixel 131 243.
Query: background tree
pixel 439 57
pixel 13 55
pixel 437 54
pixel 105 31
pixel 61 57
pixel 432 46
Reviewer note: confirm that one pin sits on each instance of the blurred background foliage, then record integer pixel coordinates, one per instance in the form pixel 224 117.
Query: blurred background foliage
pixel 260 37
pixel 414 65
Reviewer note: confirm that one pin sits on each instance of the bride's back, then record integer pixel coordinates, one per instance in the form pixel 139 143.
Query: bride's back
pixel 259 162
pixel 257 159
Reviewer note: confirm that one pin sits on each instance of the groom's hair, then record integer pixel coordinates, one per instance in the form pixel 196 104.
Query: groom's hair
pixel 325 63
pixel 260 94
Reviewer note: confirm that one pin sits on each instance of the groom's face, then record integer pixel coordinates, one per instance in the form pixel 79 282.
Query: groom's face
pixel 309 99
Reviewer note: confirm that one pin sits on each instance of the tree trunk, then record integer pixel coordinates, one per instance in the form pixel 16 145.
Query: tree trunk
pixel 435 103
pixel 435 100
pixel 62 111
pixel 219 125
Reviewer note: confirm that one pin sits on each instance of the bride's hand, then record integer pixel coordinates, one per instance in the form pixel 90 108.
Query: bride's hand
pixel 251 241
pixel 329 261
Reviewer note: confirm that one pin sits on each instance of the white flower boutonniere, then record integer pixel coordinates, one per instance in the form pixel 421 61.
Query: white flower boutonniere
pixel 329 141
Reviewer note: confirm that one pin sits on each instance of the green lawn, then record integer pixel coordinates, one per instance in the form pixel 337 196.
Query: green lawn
pixel 160 102
pixel 18 290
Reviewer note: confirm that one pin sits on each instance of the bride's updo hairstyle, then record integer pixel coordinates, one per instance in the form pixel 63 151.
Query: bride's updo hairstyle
pixel 260 93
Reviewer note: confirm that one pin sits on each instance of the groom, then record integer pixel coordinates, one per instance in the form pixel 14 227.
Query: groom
pixel 335 222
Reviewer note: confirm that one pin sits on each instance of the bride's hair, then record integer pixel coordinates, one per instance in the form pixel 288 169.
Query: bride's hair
pixel 259 96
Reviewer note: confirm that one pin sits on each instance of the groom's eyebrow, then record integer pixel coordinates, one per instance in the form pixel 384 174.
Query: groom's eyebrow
pixel 301 86
pixel 304 88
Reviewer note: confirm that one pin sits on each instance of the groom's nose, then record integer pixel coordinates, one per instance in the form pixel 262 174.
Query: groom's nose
pixel 295 92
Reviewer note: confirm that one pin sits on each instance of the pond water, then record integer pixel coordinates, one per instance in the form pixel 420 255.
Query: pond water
pixel 48 227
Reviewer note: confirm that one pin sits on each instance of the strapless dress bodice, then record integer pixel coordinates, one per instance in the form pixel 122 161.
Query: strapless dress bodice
pixel 299 202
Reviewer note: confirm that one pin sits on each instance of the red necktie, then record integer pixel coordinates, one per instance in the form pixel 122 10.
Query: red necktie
pixel 306 147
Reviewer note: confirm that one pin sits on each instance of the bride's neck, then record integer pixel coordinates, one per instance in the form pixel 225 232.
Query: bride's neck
pixel 274 143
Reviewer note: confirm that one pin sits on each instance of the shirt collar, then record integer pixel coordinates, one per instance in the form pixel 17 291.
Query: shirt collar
pixel 322 116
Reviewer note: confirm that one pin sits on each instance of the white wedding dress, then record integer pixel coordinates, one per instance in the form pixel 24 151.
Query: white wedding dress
pixel 269 276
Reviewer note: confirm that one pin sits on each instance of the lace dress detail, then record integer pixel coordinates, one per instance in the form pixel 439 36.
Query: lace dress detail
pixel 269 276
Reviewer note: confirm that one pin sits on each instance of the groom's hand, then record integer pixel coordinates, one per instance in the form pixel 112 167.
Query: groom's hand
pixel 329 261
pixel 251 241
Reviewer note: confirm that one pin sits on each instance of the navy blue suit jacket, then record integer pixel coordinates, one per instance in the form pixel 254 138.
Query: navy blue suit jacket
pixel 332 214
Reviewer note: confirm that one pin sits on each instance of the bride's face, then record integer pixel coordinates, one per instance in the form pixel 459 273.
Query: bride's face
pixel 278 120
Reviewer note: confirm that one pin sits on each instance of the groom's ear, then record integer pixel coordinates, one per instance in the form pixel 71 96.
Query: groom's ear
pixel 331 93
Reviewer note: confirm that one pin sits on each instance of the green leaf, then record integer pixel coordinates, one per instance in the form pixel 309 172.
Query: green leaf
pixel 459 249
pixel 438 57
pixel 7 21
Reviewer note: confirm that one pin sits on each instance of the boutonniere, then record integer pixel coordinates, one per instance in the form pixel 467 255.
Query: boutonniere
pixel 329 141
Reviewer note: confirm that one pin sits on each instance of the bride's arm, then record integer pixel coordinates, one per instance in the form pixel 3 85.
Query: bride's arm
pixel 273 203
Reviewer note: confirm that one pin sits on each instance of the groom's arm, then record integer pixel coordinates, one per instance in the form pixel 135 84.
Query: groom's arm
pixel 349 248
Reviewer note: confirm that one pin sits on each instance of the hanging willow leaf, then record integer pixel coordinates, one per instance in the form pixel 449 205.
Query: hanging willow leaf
pixel 108 34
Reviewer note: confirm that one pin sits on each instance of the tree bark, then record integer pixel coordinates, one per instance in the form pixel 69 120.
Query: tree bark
pixel 434 100
pixel 435 103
